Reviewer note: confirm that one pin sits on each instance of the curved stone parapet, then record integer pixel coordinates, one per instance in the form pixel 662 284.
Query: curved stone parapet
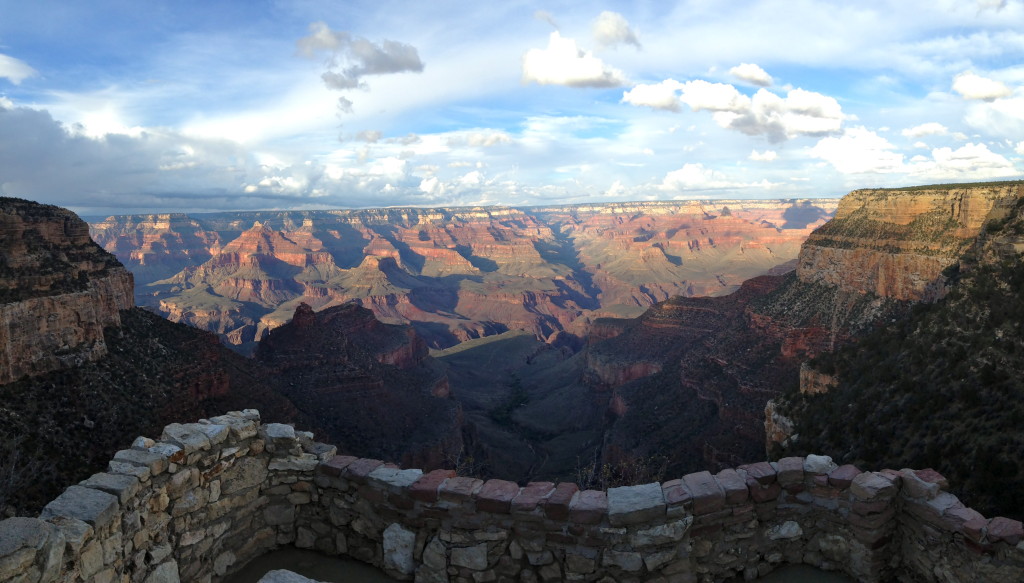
pixel 208 497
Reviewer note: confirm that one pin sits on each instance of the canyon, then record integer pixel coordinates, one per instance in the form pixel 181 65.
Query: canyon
pixel 900 317
pixel 453 274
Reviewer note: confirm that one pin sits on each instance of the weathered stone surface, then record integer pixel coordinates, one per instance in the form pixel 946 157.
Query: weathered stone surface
pixel 531 496
pixel 120 485
pixel 459 488
pixel 635 504
pixel 426 488
pixel 930 475
pixel 474 557
pixel 734 486
pixel 915 487
pixel 164 573
pixel 786 531
pixel 156 463
pixel 284 576
pixel 626 560
pixel 359 469
pixel 91 506
pixel 818 464
pixel 399 543
pixel 1005 529
pixel 246 473
pixel 496 496
pixel 843 476
pixel 278 431
pixel 763 472
pixel 871 486
pixel 305 462
pixel 662 534
pixel 28 541
pixel 190 437
pixel 590 507
pixel 335 465
pixel 707 494
pixel 790 471
pixel 557 505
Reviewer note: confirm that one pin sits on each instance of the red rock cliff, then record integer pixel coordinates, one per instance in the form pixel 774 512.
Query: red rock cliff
pixel 58 288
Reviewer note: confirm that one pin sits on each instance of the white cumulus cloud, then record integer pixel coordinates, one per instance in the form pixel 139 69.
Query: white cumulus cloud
pixel 563 62
pixel 15 70
pixel 972 86
pixel 858 151
pixel 752 73
pixel 1020 148
pixel 970 161
pixel 611 29
pixel 931 128
pixel 766 156
pixel 800 113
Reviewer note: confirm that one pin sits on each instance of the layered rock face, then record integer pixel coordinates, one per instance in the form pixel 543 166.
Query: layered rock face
pixel 894 243
pixel 455 274
pixel 371 386
pixel 58 290
pixel 703 369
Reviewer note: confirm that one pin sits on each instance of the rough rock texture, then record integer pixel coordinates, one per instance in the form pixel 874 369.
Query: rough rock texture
pixel 692 376
pixel 895 243
pixel 455 274
pixel 202 515
pixel 371 386
pixel 58 290
pixel 940 387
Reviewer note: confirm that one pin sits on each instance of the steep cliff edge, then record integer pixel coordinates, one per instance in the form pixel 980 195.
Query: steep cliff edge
pixel 703 369
pixel 941 387
pixel 58 290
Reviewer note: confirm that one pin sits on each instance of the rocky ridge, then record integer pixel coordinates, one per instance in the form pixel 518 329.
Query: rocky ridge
pixel 713 363
pixel 454 274
pixel 58 290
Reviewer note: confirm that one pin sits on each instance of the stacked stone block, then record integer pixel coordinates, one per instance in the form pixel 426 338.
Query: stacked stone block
pixel 208 497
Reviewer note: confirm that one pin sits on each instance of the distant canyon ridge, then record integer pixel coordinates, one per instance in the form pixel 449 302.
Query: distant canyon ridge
pixel 453 273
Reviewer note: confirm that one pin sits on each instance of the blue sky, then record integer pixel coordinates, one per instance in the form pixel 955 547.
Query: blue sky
pixel 112 107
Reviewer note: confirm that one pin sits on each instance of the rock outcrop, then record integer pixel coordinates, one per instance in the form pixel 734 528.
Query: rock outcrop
pixel 454 274
pixel 715 363
pixel 58 290
pixel 371 386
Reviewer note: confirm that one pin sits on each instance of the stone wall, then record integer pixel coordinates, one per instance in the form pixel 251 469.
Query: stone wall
pixel 208 497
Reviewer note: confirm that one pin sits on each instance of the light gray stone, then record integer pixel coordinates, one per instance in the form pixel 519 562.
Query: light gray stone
pixel 474 557
pixel 635 504
pixel 395 477
pixel 819 464
pixel 75 532
pixel 190 437
pixel 278 431
pixel 155 462
pixel 91 506
pixel 305 462
pixel 661 534
pixel 164 573
pixel 916 487
pixel 282 576
pixel 246 473
pixel 120 485
pixel 399 544
pixel 28 541
pixel 434 555
pixel 786 531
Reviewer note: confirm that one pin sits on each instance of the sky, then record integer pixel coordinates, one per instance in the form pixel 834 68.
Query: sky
pixel 120 106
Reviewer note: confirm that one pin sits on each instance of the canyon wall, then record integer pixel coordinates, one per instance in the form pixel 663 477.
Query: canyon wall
pixel 208 497
pixel 454 274
pixel 58 290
